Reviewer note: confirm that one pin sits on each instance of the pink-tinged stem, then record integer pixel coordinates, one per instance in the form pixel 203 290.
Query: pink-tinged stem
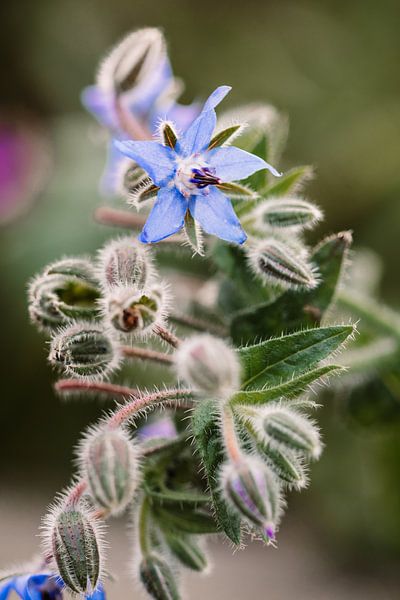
pixel 230 438
pixel 118 218
pixel 167 336
pixel 130 124
pixel 122 218
pixel 76 493
pixel 145 354
pixel 79 385
pixel 133 407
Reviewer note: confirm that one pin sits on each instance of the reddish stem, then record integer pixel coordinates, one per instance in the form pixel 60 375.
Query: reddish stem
pixel 167 336
pixel 145 354
pixel 80 385
pixel 139 403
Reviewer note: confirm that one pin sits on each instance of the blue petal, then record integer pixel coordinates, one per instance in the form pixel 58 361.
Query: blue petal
pixel 156 159
pixel 215 214
pixel 6 588
pixel 101 105
pixel 232 163
pixel 198 135
pixel 98 594
pixel 166 217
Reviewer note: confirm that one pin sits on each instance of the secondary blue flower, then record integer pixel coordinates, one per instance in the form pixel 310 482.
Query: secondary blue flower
pixel 189 176
pixel 40 586
pixel 150 95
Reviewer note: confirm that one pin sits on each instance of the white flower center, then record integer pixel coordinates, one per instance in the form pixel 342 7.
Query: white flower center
pixel 193 175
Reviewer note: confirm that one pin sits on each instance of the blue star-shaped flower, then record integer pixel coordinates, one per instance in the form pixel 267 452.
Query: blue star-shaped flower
pixel 40 586
pixel 188 176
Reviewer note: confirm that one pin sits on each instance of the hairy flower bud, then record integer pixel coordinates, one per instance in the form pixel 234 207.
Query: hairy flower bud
pixel 84 350
pixel 209 365
pixel 141 55
pixel 187 552
pixel 253 490
pixel 288 428
pixel 131 310
pixel 158 578
pixel 125 261
pixel 73 539
pixel 286 464
pixel 66 290
pixel 291 212
pixel 278 263
pixel 109 463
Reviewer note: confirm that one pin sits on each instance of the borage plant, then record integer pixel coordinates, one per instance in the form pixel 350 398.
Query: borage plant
pixel 241 341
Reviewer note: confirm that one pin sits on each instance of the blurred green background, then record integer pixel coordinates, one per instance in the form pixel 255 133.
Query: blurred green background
pixel 333 68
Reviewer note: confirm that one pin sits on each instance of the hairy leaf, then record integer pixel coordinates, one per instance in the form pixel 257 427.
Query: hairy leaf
pixel 289 389
pixel 277 360
pixel 209 445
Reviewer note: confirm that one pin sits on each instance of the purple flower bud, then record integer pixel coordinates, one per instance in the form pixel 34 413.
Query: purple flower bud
pixel 253 490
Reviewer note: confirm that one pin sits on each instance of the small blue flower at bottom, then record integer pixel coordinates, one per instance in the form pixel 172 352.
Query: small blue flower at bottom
pixel 188 176
pixel 40 586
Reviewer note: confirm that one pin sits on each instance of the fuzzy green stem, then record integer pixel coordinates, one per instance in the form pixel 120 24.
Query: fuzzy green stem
pixel 375 314
pixel 144 528
pixel 132 408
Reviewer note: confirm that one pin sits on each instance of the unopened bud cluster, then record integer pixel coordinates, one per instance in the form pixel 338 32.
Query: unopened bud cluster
pixel 134 301
pixel 66 290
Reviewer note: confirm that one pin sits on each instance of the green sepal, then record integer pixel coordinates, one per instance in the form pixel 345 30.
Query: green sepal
pixel 223 136
pixel 193 234
pixel 281 359
pixel 169 136
pixel 210 448
pixel 288 389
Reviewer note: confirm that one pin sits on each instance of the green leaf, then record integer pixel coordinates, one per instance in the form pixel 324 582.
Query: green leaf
pixel 165 496
pixel 239 289
pixel 210 448
pixel 189 521
pixel 289 389
pixel 281 359
pixel 291 181
pixel 296 309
